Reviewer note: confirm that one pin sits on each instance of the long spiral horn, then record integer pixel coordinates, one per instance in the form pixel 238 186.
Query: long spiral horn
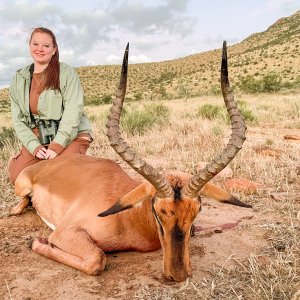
pixel 162 186
pixel 236 140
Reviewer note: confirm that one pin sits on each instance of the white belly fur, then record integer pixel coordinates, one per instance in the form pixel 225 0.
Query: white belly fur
pixel 47 223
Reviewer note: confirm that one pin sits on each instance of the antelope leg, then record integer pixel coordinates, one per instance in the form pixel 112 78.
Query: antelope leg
pixel 20 207
pixel 72 247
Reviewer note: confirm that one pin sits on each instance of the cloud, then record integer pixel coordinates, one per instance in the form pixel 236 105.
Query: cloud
pixel 113 59
pixel 140 18
pixel 133 59
pixel 95 35
pixel 286 6
pixel 25 13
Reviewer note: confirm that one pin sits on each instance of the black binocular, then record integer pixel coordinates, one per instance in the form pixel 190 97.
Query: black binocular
pixel 47 130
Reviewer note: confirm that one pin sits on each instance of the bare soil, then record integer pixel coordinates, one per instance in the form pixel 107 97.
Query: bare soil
pixel 224 235
pixel 222 231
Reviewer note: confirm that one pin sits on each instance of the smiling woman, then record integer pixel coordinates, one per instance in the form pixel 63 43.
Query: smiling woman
pixel 47 106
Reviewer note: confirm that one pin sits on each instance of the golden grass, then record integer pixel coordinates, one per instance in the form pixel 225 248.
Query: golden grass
pixel 187 139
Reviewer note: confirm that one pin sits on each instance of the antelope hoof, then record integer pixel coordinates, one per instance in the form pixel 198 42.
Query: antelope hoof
pixel 16 210
pixel 38 243
pixel 20 207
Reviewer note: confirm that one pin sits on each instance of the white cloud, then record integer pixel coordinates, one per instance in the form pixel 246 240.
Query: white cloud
pixel 135 59
pixel 96 31
pixel 113 59
pixel 88 36
pixel 283 6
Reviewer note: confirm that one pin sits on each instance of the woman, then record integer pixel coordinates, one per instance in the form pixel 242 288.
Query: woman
pixel 47 106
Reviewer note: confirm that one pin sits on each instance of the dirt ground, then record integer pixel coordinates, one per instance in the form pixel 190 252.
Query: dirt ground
pixel 222 231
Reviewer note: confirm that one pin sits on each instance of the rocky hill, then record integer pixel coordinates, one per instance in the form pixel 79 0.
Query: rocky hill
pixel 275 51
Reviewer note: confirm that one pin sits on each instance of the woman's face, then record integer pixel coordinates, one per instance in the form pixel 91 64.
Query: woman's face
pixel 41 48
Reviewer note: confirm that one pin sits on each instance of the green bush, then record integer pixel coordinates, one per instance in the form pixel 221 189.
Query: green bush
pixel 246 113
pixel 269 83
pixel 249 84
pixel 272 83
pixel 138 96
pixel 210 111
pixel 137 120
pixel 95 101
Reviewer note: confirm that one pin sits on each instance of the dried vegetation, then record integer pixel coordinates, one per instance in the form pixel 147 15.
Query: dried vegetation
pixel 190 133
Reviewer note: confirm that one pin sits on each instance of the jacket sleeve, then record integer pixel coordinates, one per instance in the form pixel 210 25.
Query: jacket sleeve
pixel 72 109
pixel 20 121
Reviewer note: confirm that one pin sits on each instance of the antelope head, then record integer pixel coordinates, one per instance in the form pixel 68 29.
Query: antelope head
pixel 175 198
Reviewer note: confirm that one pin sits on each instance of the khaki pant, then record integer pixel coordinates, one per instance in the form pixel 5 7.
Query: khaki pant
pixel 24 158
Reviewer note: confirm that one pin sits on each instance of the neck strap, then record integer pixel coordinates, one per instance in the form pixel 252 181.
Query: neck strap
pixel 31 70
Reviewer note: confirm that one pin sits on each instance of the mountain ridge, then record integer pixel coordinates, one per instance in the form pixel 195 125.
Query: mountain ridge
pixel 275 50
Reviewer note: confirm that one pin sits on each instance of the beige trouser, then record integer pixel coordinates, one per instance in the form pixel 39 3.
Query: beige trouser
pixel 24 158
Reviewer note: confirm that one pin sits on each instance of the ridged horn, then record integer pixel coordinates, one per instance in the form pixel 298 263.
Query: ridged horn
pixel 162 186
pixel 235 143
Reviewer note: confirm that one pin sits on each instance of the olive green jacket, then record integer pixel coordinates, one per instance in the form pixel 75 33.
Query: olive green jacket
pixel 66 106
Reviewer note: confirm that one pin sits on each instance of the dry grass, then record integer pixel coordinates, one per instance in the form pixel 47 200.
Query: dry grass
pixel 181 144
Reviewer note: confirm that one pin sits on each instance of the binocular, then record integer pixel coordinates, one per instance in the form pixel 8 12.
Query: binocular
pixel 47 130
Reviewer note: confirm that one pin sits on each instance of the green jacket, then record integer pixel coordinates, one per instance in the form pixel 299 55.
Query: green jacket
pixel 66 106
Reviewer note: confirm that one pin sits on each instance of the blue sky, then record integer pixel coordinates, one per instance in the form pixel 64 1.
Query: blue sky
pixel 96 32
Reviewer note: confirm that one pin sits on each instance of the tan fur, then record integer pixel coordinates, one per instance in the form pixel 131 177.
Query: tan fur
pixel 69 192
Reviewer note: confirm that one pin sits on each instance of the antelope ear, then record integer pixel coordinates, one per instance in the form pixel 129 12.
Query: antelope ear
pixel 138 195
pixel 214 192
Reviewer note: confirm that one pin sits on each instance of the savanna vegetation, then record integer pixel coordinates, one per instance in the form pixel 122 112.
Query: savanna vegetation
pixel 181 135
pixel 174 117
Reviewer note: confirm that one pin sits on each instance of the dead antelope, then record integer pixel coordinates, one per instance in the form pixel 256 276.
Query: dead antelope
pixel 104 209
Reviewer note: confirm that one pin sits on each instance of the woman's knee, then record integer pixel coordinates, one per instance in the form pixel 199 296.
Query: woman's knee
pixel 18 163
pixel 79 145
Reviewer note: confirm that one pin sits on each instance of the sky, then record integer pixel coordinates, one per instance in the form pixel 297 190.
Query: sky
pixel 95 32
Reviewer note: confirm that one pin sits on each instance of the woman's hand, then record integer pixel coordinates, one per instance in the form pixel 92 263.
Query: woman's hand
pixel 45 154
pixel 41 154
pixel 50 154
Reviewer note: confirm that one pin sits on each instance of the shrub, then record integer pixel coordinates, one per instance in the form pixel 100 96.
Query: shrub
pixel 138 120
pixel 270 83
pixel 246 113
pixel 215 90
pixel 138 96
pixel 210 111
pixel 165 77
pixel 95 101
pixel 7 137
pixel 250 85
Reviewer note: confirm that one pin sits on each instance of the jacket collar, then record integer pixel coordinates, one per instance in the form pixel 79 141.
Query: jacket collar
pixel 25 72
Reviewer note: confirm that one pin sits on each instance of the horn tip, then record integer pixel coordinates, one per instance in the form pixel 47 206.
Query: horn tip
pixel 224 64
pixel 224 52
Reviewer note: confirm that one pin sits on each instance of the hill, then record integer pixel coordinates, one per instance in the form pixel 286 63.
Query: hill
pixel 274 53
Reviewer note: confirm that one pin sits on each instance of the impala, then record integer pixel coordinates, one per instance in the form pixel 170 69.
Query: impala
pixel 104 209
